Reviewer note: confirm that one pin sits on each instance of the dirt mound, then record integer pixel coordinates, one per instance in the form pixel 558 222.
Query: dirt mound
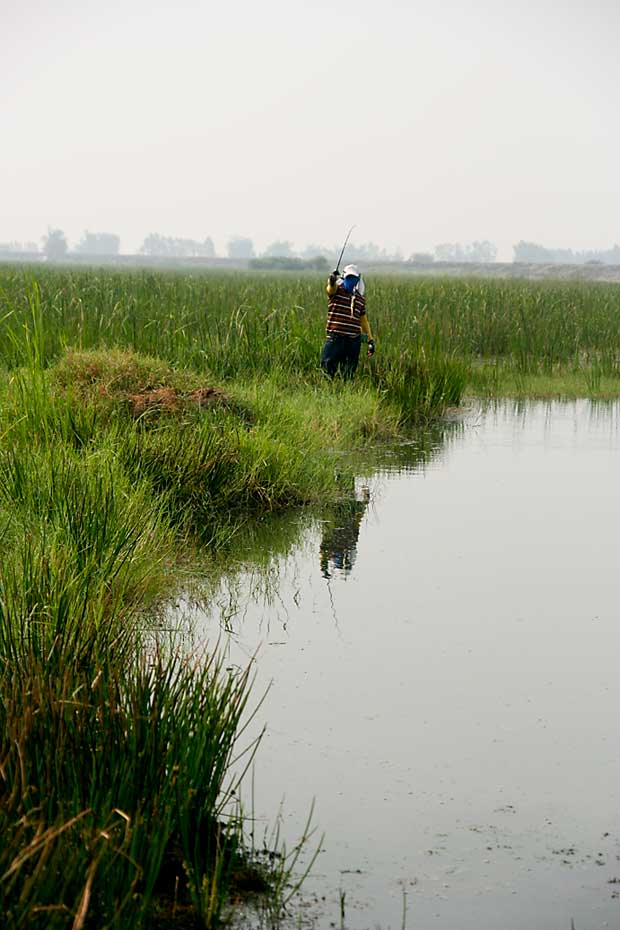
pixel 142 385
pixel 170 400
pixel 206 395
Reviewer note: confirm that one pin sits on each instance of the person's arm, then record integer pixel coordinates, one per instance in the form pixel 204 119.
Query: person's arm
pixel 365 325
pixel 332 284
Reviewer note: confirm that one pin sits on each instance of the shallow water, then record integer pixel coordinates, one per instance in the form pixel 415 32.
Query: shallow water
pixel 444 665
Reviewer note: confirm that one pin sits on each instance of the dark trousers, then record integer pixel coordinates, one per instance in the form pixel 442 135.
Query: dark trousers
pixel 341 353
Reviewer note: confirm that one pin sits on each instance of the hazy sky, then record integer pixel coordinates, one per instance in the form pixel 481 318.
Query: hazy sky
pixel 421 122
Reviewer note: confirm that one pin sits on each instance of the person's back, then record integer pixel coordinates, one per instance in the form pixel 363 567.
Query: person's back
pixel 346 321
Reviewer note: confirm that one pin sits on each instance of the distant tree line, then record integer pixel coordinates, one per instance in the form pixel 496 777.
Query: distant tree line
pixel 282 254
pixel 278 254
pixel 292 263
pixel 356 252
pixel 479 252
pixel 171 247
pixel 527 252
pixel 55 244
pixel 538 254
pixel 14 246
pixel 243 248
pixel 98 244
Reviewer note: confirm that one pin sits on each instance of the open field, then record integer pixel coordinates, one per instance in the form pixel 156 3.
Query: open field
pixel 433 333
pixel 529 271
pixel 141 416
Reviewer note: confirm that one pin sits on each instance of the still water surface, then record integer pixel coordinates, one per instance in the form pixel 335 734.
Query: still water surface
pixel 444 664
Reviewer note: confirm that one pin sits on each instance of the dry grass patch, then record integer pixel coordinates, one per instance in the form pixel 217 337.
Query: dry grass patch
pixel 115 378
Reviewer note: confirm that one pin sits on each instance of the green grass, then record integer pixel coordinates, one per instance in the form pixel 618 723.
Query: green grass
pixel 227 327
pixel 144 418
pixel 496 381
pixel 115 809
pixel 247 326
pixel 115 787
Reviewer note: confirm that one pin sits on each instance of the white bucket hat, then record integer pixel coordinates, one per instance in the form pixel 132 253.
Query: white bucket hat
pixel 354 270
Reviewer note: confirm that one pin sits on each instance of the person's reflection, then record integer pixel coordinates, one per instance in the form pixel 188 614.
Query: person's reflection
pixel 340 535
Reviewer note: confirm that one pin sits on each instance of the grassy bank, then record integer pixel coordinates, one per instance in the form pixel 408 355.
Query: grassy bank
pixel 117 804
pixel 142 415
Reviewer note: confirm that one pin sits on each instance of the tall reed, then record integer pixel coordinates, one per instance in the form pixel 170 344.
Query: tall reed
pixel 240 323
pixel 113 788
pixel 231 326
pixel 116 794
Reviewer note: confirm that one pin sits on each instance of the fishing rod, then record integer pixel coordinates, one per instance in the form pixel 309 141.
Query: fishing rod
pixel 343 248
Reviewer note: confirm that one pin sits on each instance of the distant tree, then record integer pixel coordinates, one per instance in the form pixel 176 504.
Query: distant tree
pixel 153 244
pixel 565 257
pixel 534 253
pixel 207 248
pixel 317 263
pixel 98 244
pixel 355 252
pixel 15 246
pixel 55 244
pixel 479 252
pixel 366 252
pixel 483 251
pixel 531 252
pixel 422 258
pixel 312 251
pixel 279 249
pixel 449 252
pixel 18 248
pixel 370 252
pixel 169 246
pixel 590 257
pixel 239 247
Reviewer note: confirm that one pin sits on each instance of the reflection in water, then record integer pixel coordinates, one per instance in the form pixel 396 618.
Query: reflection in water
pixel 341 523
pixel 425 448
pixel 478 773
pixel 340 535
pixel 248 573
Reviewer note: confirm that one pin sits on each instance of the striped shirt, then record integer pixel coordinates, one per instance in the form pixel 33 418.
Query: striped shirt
pixel 344 312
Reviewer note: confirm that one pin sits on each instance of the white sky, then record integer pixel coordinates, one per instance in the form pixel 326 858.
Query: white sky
pixel 421 122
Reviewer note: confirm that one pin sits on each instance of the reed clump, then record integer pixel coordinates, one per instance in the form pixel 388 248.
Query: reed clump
pixel 232 327
pixel 250 326
pixel 117 801
pixel 420 384
pixel 113 793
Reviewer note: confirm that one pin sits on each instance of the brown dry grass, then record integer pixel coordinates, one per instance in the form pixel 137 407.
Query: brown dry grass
pixel 169 400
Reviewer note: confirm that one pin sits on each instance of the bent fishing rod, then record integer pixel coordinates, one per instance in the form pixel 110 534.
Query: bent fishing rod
pixel 343 248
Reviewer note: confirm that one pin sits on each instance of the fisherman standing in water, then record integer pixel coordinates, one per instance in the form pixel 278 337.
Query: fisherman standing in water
pixel 346 321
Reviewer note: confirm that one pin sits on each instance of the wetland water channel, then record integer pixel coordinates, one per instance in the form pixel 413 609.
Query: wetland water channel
pixel 443 659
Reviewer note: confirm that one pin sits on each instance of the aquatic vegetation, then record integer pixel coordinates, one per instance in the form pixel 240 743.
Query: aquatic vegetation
pixel 116 803
pixel 116 794
pixel 248 326
pixel 224 326
pixel 141 414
